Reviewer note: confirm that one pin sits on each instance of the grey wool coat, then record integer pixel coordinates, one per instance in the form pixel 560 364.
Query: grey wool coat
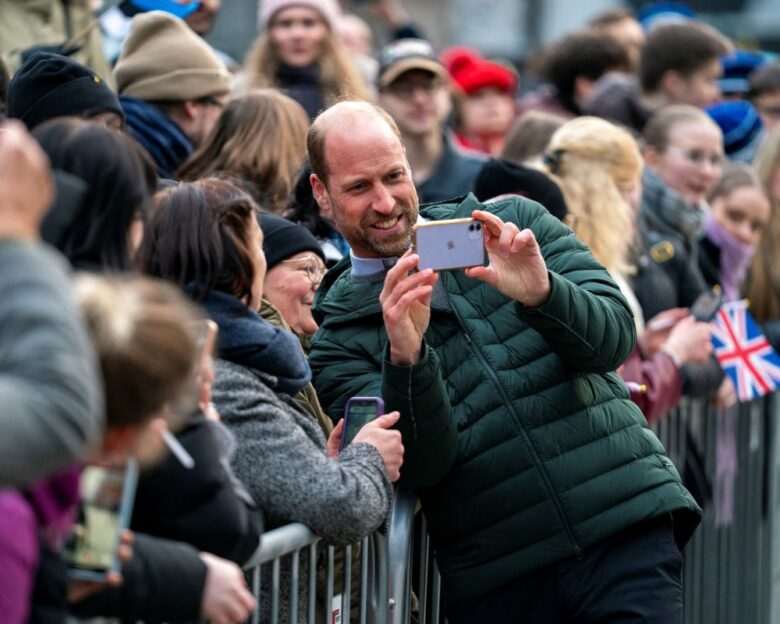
pixel 281 458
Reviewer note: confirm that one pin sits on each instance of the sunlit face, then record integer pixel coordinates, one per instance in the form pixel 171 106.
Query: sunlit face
pixel 700 89
pixel 369 189
pixel 290 287
pixel 298 35
pixel 258 260
pixel 743 213
pixel 489 111
pixel 692 160
pixel 418 101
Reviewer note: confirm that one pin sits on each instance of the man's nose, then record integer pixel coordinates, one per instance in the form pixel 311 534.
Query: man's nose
pixel 383 201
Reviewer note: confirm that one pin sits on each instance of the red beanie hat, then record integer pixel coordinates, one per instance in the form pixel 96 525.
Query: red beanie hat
pixel 471 72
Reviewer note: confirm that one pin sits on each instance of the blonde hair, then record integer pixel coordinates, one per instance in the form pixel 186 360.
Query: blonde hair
pixel 764 276
pixel 145 340
pixel 260 138
pixel 594 161
pixel 338 77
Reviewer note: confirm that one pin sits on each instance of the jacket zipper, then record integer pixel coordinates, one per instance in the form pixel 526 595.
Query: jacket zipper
pixel 537 460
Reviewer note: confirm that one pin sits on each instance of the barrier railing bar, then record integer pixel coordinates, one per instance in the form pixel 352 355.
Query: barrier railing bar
pixel 275 591
pixel 294 579
pixel 312 606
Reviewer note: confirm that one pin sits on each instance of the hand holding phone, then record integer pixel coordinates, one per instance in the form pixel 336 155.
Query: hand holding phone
pixel 106 498
pixel 359 411
pixel 363 423
pixel 450 244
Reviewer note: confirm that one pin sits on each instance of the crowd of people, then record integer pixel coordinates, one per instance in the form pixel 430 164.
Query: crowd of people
pixel 159 191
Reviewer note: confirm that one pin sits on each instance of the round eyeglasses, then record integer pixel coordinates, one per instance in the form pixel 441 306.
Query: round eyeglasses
pixel 314 270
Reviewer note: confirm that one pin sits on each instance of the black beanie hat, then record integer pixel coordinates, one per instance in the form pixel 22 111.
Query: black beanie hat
pixel 283 238
pixel 505 177
pixel 50 85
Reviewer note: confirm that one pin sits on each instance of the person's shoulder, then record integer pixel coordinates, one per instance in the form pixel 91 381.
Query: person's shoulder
pixel 342 298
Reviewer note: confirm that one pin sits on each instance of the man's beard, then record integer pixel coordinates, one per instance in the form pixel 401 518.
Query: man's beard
pixel 361 235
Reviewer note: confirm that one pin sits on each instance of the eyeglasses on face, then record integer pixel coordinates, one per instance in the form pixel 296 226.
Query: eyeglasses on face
pixel 311 265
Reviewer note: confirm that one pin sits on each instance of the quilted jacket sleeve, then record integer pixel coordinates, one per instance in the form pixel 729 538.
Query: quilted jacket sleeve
pixel 346 366
pixel 586 321
pixel 288 472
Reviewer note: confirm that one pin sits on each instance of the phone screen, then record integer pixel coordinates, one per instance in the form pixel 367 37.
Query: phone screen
pixel 105 503
pixel 359 412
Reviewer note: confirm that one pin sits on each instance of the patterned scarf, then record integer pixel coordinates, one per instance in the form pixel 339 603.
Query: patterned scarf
pixel 668 213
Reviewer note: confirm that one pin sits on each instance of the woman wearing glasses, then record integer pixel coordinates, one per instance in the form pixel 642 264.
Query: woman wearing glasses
pixel 296 266
pixel 683 154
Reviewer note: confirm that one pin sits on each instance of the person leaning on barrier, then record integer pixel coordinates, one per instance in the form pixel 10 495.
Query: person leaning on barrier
pixel 49 386
pixel 143 331
pixel 205 237
pixel 544 490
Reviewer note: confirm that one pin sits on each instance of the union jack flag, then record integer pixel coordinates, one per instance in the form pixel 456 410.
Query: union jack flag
pixel 743 352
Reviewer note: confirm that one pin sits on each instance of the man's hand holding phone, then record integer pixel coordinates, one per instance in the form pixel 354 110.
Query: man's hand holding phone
pixel 406 307
pixel 517 268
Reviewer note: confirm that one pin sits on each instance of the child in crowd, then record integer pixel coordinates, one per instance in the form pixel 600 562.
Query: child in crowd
pixel 739 216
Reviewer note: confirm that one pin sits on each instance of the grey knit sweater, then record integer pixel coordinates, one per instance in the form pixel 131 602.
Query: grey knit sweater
pixel 281 458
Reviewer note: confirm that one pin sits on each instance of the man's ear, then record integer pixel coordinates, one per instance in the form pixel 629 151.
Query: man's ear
pixel 320 193
pixel 673 84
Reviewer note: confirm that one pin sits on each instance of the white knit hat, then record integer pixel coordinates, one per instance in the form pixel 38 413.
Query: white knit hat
pixel 329 9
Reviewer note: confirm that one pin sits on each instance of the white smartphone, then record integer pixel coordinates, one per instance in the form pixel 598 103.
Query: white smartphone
pixel 451 244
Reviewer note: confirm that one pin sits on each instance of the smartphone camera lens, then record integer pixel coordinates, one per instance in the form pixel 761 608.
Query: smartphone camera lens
pixel 471 228
pixel 479 227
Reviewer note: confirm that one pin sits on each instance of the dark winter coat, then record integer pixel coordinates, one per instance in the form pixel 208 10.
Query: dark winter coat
pixel 522 442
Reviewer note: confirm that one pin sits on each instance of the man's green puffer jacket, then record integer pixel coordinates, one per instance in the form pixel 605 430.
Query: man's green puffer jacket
pixel 521 441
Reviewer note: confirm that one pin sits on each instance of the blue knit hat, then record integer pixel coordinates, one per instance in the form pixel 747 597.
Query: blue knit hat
pixel 740 124
pixel 655 14
pixel 737 66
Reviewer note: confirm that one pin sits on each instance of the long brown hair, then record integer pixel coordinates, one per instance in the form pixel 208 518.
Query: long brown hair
pixel 260 139
pixel 338 77
pixel 764 277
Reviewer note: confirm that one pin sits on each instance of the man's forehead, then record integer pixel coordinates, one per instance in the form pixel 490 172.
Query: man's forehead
pixel 359 132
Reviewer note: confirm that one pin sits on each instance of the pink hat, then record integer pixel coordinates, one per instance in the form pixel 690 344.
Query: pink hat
pixel 329 9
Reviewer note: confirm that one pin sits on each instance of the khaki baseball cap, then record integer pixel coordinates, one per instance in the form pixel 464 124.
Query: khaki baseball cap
pixel 404 55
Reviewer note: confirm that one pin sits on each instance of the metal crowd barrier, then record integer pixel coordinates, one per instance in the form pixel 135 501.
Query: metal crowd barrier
pixel 732 564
